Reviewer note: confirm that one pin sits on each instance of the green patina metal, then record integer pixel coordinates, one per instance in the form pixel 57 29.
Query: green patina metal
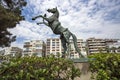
pixel 58 29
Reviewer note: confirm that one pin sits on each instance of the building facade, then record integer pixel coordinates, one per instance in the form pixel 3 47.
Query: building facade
pixel 114 47
pixel 103 45
pixel 34 47
pixel 96 45
pixel 53 46
pixel 13 51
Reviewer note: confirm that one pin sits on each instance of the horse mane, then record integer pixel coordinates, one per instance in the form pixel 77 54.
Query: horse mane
pixel 57 13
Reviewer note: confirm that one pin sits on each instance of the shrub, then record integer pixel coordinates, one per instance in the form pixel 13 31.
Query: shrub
pixel 106 66
pixel 36 68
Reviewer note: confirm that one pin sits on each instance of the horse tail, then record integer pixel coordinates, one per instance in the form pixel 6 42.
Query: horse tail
pixel 75 44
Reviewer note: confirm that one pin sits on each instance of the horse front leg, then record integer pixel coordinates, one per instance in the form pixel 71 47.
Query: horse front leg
pixel 45 18
pixel 40 23
pixel 36 17
pixel 43 23
pixel 39 16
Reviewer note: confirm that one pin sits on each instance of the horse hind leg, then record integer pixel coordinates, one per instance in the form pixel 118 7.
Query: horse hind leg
pixel 67 35
pixel 64 47
pixel 65 41
pixel 68 49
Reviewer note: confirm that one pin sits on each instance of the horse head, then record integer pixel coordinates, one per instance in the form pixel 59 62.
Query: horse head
pixel 53 10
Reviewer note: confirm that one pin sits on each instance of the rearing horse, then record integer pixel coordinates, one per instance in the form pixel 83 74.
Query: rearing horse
pixel 55 25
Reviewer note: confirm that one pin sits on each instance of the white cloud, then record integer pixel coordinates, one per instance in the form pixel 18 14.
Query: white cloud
pixel 84 19
pixel 30 30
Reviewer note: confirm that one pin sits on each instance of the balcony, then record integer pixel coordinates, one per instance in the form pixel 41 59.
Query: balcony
pixel 27 46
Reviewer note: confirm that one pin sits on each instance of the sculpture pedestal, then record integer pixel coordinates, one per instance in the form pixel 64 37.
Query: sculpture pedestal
pixel 83 65
pixel 82 60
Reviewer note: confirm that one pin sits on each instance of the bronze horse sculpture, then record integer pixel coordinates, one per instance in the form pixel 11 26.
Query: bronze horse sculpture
pixel 55 25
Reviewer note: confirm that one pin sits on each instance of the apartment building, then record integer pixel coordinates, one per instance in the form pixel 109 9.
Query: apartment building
pixel 96 45
pixel 81 45
pixel 34 47
pixel 114 47
pixel 111 41
pixel 53 46
pixel 12 51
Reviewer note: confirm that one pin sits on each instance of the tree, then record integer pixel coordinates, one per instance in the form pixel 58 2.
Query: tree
pixel 10 15
pixel 113 49
pixel 100 50
pixel 107 49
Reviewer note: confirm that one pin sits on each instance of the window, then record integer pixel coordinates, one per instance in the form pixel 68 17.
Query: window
pixel 53 43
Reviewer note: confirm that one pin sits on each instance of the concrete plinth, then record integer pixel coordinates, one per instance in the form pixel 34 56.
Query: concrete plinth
pixel 84 68
pixel 83 65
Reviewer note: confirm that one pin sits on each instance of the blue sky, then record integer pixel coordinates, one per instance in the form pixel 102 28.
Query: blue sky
pixel 84 18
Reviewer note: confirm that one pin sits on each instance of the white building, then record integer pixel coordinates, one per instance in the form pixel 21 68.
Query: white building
pixel 96 45
pixel 114 47
pixel 12 51
pixel 34 47
pixel 53 46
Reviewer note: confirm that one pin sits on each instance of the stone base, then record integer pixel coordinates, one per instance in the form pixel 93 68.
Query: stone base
pixel 84 68
pixel 83 65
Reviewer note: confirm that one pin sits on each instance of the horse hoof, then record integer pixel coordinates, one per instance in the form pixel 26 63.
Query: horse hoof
pixel 33 18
